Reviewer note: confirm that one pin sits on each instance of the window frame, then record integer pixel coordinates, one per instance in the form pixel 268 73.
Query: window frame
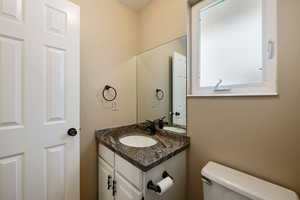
pixel 269 85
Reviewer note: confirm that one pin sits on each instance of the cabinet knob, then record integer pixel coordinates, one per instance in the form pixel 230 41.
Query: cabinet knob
pixel 114 188
pixel 109 182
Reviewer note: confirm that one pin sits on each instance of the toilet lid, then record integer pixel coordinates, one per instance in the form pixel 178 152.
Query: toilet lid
pixel 245 184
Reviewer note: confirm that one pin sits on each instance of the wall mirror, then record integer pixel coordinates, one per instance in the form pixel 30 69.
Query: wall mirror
pixel 161 85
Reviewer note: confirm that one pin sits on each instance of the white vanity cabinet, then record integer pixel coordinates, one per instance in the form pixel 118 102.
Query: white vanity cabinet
pixel 106 177
pixel 125 190
pixel 120 180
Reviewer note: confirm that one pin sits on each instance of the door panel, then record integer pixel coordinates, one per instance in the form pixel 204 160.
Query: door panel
pixel 12 9
pixel 56 20
pixel 55 84
pixel 11 172
pixel 55 170
pixel 39 100
pixel 11 62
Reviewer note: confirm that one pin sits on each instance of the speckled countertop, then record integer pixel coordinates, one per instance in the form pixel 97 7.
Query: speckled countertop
pixel 169 144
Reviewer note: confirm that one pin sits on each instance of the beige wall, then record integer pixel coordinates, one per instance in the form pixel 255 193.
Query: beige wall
pixel 108 44
pixel 161 21
pixel 258 135
pixel 109 41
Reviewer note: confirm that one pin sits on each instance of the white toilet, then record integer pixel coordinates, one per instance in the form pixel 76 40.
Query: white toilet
pixel 223 183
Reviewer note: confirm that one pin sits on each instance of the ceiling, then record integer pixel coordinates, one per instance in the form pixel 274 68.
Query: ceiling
pixel 135 4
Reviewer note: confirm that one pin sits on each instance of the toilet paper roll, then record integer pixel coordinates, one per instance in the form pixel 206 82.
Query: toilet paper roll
pixel 165 185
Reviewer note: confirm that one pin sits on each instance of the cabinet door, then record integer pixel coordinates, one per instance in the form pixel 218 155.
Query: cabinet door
pixel 105 181
pixel 126 191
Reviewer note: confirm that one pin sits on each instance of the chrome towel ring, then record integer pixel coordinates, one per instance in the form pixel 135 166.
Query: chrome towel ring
pixel 109 90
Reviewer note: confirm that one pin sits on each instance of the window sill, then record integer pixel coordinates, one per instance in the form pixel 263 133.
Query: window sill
pixel 233 95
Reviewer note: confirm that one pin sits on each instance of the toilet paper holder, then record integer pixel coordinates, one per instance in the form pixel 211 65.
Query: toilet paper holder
pixel 156 188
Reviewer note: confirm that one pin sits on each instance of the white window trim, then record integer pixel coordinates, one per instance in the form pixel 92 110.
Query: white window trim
pixel 268 87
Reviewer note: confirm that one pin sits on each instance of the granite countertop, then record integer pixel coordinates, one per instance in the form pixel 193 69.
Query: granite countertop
pixel 169 144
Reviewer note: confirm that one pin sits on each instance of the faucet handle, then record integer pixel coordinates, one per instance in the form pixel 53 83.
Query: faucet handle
pixel 150 123
pixel 162 118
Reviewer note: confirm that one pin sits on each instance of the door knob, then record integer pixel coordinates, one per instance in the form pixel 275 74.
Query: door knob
pixel 177 113
pixel 72 132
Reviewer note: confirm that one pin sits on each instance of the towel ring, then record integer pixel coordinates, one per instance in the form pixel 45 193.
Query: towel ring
pixel 160 94
pixel 107 88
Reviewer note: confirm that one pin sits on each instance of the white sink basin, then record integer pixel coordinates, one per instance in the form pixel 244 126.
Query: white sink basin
pixel 175 129
pixel 138 141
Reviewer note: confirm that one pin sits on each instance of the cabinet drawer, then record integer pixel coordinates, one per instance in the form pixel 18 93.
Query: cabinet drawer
pixel 106 154
pixel 129 171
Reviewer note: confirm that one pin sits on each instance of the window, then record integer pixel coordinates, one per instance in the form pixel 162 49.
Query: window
pixel 234 46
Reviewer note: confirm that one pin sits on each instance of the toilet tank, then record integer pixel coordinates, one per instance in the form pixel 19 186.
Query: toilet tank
pixel 223 183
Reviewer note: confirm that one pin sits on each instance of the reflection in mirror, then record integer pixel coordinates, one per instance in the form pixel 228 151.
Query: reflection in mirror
pixel 161 85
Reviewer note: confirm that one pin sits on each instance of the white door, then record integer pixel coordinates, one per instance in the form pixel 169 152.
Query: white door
pixel 106 177
pixel 126 191
pixel 179 89
pixel 39 100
